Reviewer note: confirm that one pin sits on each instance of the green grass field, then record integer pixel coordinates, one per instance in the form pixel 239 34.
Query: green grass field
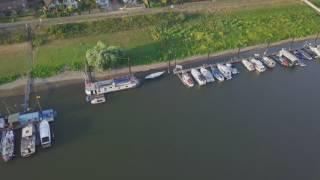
pixel 14 59
pixel 241 28
pixel 316 2
pixel 197 34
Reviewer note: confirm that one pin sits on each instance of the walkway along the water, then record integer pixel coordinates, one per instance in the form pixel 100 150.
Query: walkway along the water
pixel 72 77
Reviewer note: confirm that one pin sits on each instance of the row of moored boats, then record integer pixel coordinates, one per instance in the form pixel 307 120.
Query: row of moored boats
pixel 28 139
pixel 259 63
pixel 203 75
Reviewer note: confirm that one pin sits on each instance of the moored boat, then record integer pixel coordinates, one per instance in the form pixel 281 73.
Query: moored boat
pixel 217 74
pixel 45 134
pixel 232 69
pixel 187 80
pixel 198 77
pixel 207 75
pixel 258 65
pixel 28 140
pixel 7 145
pixel 112 85
pixel 155 75
pixel 270 63
pixel 96 99
pixel 248 65
pixel 315 50
pixel 302 55
pixel 225 71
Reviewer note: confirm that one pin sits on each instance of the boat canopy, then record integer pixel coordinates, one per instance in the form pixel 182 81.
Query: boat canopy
pixel 13 118
pixel 27 131
pixel 44 129
pixel 48 115
pixel 25 118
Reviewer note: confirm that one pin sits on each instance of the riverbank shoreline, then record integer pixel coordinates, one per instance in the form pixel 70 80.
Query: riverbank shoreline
pixel 16 88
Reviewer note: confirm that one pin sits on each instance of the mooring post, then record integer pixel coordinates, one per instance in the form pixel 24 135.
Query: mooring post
pixel 129 64
pixel 315 40
pixel 239 49
pixel 291 44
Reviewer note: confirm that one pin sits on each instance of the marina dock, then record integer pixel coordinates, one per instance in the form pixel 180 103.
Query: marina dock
pixel 281 55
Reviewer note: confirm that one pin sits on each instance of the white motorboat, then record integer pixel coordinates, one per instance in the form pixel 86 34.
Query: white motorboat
pixel 248 65
pixel 225 71
pixel 187 80
pixel 155 75
pixel 28 140
pixel 7 145
pixel 96 99
pixel 207 75
pixel 45 134
pixel 232 69
pixel 315 50
pixel 217 74
pixel 198 77
pixel 258 65
pixel 270 63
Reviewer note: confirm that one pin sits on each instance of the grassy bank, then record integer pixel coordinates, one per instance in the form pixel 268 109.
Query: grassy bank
pixel 191 34
pixel 316 2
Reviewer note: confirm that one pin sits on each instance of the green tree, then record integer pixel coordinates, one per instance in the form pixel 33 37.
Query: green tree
pixel 101 57
pixel 87 5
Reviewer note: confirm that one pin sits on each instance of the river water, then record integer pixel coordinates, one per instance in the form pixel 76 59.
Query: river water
pixel 256 126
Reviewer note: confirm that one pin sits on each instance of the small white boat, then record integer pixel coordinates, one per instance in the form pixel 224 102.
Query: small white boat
pixel 198 77
pixel 270 63
pixel 315 50
pixel 232 69
pixel 248 65
pixel 207 75
pixel 45 134
pixel 225 71
pixel 28 140
pixel 155 75
pixel 217 74
pixel 96 99
pixel 187 80
pixel 258 65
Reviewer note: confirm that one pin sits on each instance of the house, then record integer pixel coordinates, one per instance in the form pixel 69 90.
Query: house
pixel 103 3
pixel 9 5
pixel 67 3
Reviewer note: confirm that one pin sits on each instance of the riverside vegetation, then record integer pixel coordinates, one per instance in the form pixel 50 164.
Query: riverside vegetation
pixel 159 37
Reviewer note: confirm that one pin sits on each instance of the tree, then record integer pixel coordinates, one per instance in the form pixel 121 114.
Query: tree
pixel 87 5
pixel 101 57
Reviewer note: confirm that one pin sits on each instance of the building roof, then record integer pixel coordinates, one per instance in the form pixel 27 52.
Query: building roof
pixel 47 2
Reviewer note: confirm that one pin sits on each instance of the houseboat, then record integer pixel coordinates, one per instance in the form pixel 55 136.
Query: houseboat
pixel 112 85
